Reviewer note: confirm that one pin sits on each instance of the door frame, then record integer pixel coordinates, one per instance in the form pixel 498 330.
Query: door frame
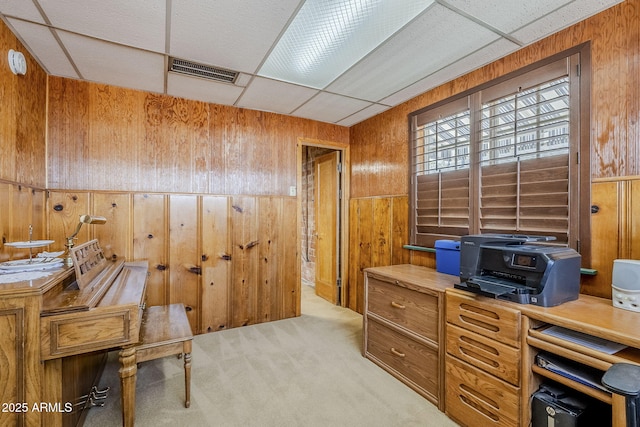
pixel 343 238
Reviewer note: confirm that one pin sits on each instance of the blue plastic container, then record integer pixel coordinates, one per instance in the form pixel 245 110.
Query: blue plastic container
pixel 448 257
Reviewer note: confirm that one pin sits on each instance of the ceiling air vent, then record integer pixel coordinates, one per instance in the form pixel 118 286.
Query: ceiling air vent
pixel 203 71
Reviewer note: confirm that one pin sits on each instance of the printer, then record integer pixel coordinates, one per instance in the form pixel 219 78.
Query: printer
pixel 519 268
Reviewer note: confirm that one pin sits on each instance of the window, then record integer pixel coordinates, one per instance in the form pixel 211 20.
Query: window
pixel 504 158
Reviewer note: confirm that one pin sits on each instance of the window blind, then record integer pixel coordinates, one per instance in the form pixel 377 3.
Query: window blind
pixel 524 159
pixel 503 158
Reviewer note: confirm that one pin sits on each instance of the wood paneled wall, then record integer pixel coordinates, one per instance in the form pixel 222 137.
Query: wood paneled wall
pixel 108 138
pixel 231 260
pixel 379 146
pixel 615 226
pixel 22 149
pixel 201 190
pixel 22 117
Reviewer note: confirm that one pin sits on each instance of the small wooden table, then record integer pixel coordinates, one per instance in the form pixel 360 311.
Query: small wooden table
pixel 165 331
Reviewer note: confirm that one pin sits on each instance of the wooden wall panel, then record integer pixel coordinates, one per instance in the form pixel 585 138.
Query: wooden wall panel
pixel 245 259
pixel 269 286
pixel 184 255
pixel 150 238
pixel 69 165
pixel 216 263
pixel 23 117
pixel 115 235
pixel 400 230
pixel 21 219
pixel 278 261
pixel 378 230
pixel 614 230
pixel 117 124
pixel 162 144
pixel 380 237
pixel 634 234
pixel 38 218
pixel 288 260
pixel 63 212
pixel 176 134
pixel 5 219
pixel 361 257
pixel 22 208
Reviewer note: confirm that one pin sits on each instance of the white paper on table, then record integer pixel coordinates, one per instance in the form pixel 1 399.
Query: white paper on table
pixel 585 340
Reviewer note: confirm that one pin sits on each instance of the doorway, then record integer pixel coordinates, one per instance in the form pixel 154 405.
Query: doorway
pixel 323 219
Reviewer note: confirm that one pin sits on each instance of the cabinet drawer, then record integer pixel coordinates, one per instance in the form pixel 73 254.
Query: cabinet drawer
pixel 413 310
pixel 474 398
pixel 495 321
pixel 490 356
pixel 412 360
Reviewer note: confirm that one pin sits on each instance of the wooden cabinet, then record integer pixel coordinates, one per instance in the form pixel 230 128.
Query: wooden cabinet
pixel 403 321
pixel 482 361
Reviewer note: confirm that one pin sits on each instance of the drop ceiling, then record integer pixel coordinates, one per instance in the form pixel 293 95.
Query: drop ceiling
pixel 130 44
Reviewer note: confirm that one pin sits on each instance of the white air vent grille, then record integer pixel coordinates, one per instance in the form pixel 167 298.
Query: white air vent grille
pixel 203 71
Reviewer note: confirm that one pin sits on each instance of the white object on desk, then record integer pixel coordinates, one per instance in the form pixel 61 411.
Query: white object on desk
pixel 625 284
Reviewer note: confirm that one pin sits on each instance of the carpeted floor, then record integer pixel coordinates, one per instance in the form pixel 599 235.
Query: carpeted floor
pixel 306 371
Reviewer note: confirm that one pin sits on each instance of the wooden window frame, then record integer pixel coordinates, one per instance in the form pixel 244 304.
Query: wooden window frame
pixel 578 64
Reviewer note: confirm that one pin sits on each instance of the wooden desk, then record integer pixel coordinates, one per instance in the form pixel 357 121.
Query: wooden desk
pixel 590 315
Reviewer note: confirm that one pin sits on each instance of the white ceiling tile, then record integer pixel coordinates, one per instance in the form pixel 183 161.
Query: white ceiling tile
pixel 507 15
pixel 271 95
pixel 562 18
pixel 425 46
pixel 188 87
pixel 363 115
pixel 139 23
pixel 116 65
pixel 23 9
pixel 228 33
pixel 486 55
pixel 43 46
pixel 327 107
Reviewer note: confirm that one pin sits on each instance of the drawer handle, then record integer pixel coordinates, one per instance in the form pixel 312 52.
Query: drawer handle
pixel 396 305
pixel 397 353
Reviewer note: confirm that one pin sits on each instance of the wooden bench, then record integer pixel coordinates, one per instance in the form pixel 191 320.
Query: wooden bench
pixel 165 331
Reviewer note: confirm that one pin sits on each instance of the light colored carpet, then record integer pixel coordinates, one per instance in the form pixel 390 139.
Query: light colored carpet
pixel 305 371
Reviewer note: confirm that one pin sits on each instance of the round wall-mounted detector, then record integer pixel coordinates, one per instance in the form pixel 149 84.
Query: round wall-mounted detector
pixel 17 62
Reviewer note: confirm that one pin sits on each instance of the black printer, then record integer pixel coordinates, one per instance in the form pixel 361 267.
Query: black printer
pixel 519 268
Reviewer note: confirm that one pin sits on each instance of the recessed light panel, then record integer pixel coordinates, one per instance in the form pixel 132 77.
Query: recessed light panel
pixel 328 36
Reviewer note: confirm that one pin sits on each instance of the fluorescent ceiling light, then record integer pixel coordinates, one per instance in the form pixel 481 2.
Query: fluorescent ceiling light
pixel 327 37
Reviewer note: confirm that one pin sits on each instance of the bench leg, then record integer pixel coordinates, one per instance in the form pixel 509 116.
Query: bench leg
pixel 187 373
